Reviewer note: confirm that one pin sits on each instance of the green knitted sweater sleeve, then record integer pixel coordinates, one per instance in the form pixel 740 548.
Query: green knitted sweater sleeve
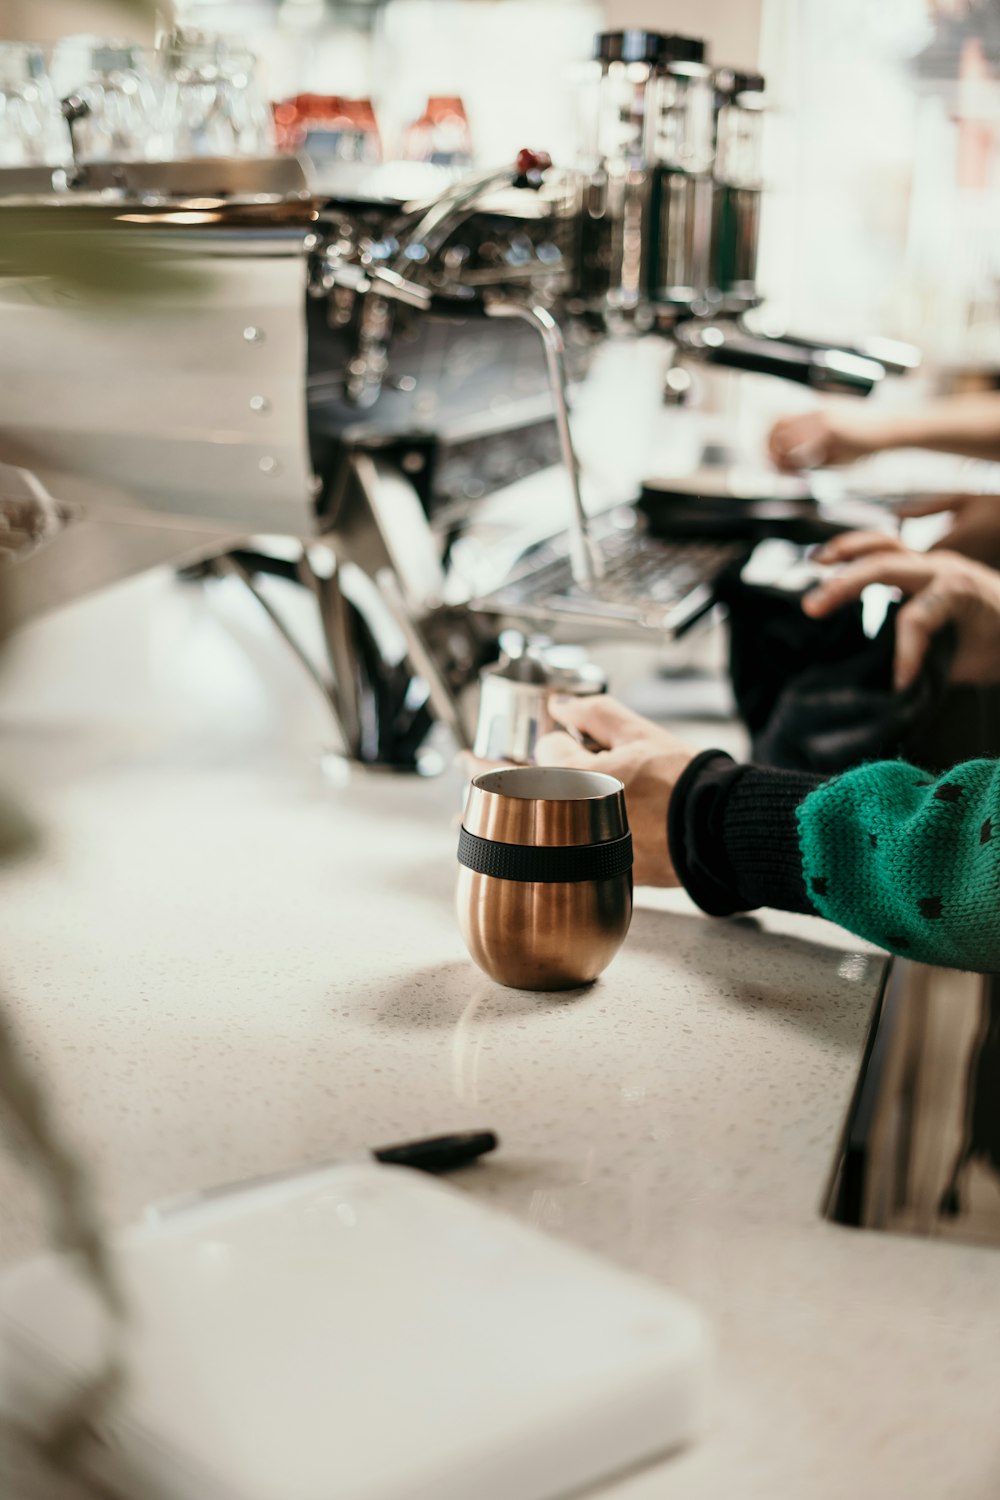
pixel 909 862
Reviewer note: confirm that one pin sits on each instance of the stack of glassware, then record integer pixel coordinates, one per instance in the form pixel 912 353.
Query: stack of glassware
pixel 31 129
pixel 191 95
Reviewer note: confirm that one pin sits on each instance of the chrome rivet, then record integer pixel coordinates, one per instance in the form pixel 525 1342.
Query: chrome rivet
pixel 268 465
pixel 259 403
pixel 253 335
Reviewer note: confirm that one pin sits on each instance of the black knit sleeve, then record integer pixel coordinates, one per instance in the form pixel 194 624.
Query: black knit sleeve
pixel 733 835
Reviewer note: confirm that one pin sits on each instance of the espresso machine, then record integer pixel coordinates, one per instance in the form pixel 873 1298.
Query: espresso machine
pixel 323 387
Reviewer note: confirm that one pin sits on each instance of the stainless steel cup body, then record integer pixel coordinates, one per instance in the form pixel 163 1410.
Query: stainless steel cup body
pixel 513 703
pixel 512 717
pixel 544 894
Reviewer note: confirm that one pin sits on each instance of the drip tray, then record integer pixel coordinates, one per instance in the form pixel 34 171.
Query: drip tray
pixel 921 1149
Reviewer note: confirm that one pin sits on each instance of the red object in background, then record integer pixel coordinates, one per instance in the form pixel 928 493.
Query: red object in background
pixel 532 164
pixel 288 132
pixel 328 125
pixel 441 134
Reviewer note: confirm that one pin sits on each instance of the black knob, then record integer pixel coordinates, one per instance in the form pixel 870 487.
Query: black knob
pixel 74 108
pixel 629 47
pixel 679 49
pixel 734 81
pixel 650 47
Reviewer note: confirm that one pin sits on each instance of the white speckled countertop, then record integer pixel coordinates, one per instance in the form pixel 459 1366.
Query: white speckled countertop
pixel 224 963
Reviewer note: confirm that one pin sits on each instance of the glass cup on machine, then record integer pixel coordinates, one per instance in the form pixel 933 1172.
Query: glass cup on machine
pixel 212 103
pixel 120 92
pixel 30 132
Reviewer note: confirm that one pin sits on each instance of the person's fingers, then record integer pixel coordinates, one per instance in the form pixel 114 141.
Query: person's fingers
pixel 916 623
pixel 781 428
pixel 561 749
pixel 908 571
pixel 784 463
pixel 793 450
pixel 776 450
pixel 15 541
pixel 973 535
pixel 852 544
pixel 596 715
pixel 932 505
pixel 784 438
pixel 810 453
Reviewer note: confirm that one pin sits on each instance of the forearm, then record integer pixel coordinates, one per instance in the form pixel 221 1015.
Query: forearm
pixel 909 862
pixel 967 425
pixel 733 835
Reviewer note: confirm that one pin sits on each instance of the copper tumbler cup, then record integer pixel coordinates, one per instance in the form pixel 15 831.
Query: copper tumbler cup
pixel 545 885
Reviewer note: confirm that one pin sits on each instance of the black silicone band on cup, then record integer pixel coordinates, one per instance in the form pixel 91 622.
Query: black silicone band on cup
pixel 549 864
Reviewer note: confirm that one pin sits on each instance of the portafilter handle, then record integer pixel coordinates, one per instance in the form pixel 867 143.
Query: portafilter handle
pixel 824 369
pixel 896 357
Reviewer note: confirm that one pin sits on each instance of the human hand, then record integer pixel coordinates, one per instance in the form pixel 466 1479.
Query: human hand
pixel 647 759
pixel 20 526
pixel 849 545
pixel 975 530
pixel 943 589
pixel 24 522
pixel 813 439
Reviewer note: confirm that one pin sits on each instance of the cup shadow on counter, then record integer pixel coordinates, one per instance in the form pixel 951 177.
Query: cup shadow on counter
pixel 768 972
pixel 436 997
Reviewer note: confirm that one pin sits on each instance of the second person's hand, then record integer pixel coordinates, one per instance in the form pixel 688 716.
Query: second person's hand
pixel 814 439
pixel 975 523
pixel 943 589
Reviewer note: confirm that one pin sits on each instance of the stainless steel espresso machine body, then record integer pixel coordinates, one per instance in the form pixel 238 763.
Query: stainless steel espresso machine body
pixel 275 375
pixel 352 373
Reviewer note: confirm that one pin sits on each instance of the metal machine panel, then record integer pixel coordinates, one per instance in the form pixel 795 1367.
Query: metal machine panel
pixel 190 401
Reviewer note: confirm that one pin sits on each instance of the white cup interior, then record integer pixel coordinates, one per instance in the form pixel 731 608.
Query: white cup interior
pixel 549 784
